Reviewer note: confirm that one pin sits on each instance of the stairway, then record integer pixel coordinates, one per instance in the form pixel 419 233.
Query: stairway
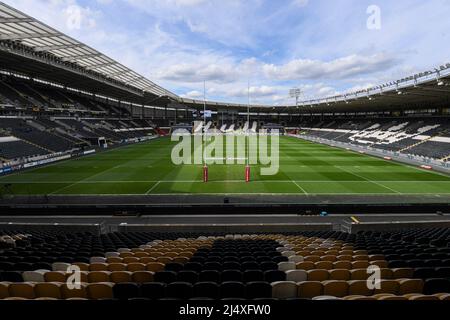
pixel 38 146
pixel 417 144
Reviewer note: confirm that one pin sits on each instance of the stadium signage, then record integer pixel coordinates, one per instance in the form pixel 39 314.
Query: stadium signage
pixel 215 148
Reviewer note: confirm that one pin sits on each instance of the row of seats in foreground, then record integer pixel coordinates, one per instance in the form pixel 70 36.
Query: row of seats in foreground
pixel 402 289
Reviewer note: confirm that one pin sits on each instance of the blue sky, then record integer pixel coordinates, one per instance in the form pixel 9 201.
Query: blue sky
pixel 322 46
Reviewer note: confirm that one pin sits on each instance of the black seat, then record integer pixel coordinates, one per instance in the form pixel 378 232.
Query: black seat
pixel 23 266
pixel 278 259
pixel 7 266
pixel 231 275
pixel 187 276
pixel 206 290
pixel 258 289
pixel 249 265
pixel 153 290
pixel 212 266
pixel 194 266
pixel 42 266
pixel 443 272
pixel 231 265
pixel 165 276
pixel 12 276
pixel 210 276
pixel 397 264
pixel 424 273
pixel 179 290
pixel 253 275
pixel 274 276
pixel 232 289
pixel 173 266
pixel 126 290
pixel 268 265
pixel 433 286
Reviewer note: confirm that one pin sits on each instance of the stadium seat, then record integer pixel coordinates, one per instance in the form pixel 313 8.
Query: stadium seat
pixel 310 289
pixel 48 290
pixel 179 290
pixel 206 290
pixel 232 290
pixel 258 289
pixel 103 290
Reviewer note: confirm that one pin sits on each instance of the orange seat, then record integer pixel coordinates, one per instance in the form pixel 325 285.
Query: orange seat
pixel 146 260
pixel 98 267
pixel 312 258
pixel 136 267
pixel 120 276
pixel 325 265
pixel 342 265
pixel 154 266
pixel 388 286
pixel 359 274
pixel 48 290
pixel 98 276
pixel 22 290
pixel 402 273
pixel 407 286
pixel 380 263
pixel 128 260
pixel 74 293
pixel 318 275
pixel 359 287
pixel 339 274
pixel 55 276
pixel 360 264
pixel 100 290
pixel 142 276
pixel 117 267
pixel 4 292
pixel 305 265
pixel 335 288
pixel 309 289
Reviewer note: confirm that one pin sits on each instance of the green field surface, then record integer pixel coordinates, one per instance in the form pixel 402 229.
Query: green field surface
pixel 306 168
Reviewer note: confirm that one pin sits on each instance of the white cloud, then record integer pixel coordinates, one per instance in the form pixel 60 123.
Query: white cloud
pixel 340 68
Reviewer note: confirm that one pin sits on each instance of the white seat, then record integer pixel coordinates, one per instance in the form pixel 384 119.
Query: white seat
pixel 296 259
pixel 60 266
pixel 285 266
pixel 33 276
pixel 284 289
pixel 326 298
pixel 296 275
pixel 112 254
pixel 97 260
pixel 281 249
pixel 288 253
pixel 120 250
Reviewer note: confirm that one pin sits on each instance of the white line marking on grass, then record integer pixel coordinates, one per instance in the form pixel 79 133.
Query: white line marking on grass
pixel 374 182
pixel 219 181
pixel 153 187
pixel 303 190
pixel 85 179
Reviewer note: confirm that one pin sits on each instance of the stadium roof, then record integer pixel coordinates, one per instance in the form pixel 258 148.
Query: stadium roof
pixel 17 27
pixel 29 47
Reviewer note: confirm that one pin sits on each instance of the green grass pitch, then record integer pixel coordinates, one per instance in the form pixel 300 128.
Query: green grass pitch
pixel 305 169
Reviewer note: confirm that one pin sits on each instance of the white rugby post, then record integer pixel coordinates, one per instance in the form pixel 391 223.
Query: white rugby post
pixel 205 165
pixel 247 166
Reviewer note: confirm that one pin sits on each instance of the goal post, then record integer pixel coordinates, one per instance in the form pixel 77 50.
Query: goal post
pixel 205 173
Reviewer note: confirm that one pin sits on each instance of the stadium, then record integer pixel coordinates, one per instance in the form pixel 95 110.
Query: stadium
pixel 142 194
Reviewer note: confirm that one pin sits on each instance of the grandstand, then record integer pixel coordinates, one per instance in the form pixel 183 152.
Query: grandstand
pixel 88 188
